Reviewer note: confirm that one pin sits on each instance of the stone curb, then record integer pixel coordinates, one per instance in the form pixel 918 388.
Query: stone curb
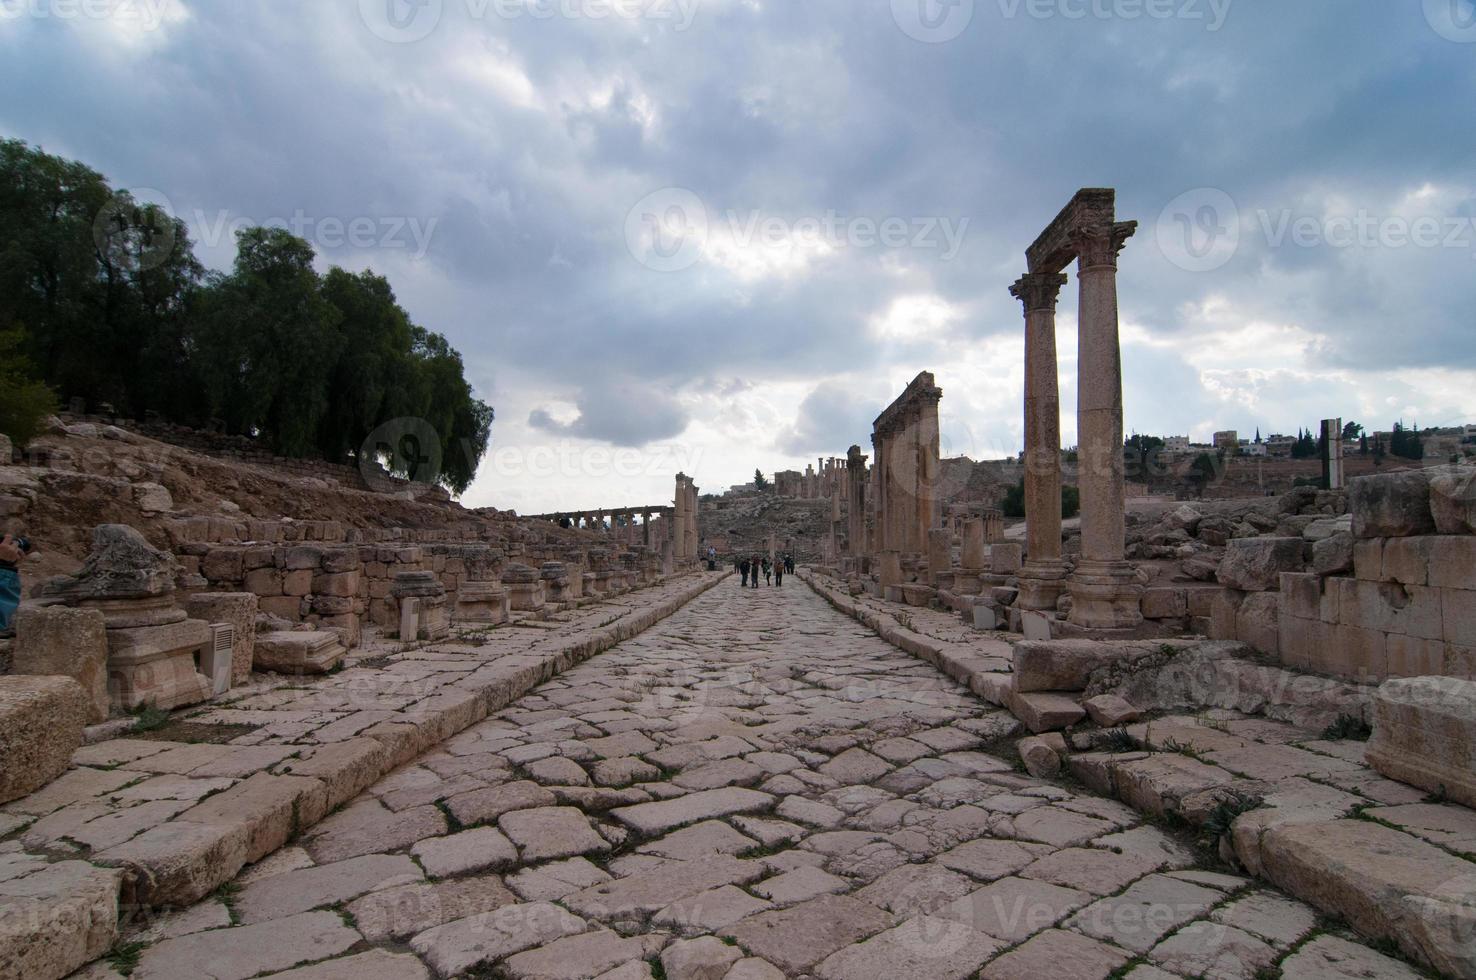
pixel 186 859
pixel 989 685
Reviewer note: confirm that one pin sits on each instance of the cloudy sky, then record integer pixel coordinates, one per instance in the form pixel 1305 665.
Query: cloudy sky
pixel 715 235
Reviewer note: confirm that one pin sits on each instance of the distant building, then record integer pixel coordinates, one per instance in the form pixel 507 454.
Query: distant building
pixel 1228 440
pixel 1255 449
pixel 1176 444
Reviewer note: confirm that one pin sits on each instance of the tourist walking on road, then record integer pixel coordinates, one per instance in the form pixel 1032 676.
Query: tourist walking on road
pixel 768 571
pixel 779 574
pixel 753 572
pixel 743 567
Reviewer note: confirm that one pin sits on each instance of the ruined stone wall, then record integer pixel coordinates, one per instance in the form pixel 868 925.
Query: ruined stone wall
pixel 1393 595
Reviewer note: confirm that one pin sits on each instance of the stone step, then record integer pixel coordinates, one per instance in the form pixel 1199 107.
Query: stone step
pixel 1045 711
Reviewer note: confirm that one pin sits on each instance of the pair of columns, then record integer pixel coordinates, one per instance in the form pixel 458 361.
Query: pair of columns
pixel 1105 590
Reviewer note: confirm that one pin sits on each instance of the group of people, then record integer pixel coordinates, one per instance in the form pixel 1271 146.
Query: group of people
pixel 773 570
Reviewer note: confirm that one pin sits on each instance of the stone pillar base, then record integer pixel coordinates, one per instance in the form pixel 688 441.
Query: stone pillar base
pixel 1106 595
pixel 1042 583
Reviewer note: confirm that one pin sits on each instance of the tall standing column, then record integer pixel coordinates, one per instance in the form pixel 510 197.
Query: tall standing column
pixel 856 502
pixel 693 539
pixel 1042 580
pixel 679 521
pixel 1105 591
pixel 646 528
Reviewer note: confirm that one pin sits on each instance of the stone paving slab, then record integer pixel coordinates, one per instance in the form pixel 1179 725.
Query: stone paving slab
pixel 179 820
pixel 952 864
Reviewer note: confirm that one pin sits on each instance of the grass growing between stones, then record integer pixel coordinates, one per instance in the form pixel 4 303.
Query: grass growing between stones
pixel 124 957
pixel 227 894
pixel 149 718
pixel 1348 728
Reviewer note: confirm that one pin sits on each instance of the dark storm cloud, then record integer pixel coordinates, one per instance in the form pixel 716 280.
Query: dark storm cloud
pixel 527 141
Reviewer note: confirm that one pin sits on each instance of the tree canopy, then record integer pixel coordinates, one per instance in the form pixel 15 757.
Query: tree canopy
pixel 105 297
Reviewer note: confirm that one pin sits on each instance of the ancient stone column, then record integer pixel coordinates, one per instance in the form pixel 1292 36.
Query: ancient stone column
pixel 1043 579
pixel 973 557
pixel 679 523
pixel 940 553
pixel 1105 592
pixel 646 528
pixel 856 501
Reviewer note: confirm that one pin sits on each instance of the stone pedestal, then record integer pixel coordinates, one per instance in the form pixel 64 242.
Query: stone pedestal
pixel 889 570
pixel 524 588
pixel 555 578
pixel 158 665
pixel 1005 559
pixel 481 602
pixel 1042 583
pixel 300 653
pixel 154 650
pixel 434 613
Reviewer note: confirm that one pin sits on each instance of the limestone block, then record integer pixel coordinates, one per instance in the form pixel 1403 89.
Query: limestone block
pixel 305 652
pixel 1391 505
pixel 1453 501
pixel 223 565
pixel 1006 559
pixel 298 582
pixel 1452 562
pixel 1067 665
pixel 1110 711
pixel 1040 759
pixel 41 722
pixel 152 498
pixel 1368 559
pixel 1391 608
pixel 1333 555
pixel 1459 616
pixel 1407 560
pixel 1165 603
pixel 1045 712
pixel 1256 622
pixel 264 582
pixel 59 641
pixel 1223 613
pixel 1256 564
pixel 239 610
pixel 58 919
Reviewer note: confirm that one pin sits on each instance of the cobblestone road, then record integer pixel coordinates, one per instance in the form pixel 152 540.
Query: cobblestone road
pixel 755 788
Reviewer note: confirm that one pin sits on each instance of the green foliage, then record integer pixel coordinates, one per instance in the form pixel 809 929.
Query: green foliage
pixel 1352 431
pixel 759 480
pixel 119 310
pixel 1349 728
pixel 1306 446
pixel 1406 443
pixel 24 401
pixel 1225 813
pixel 1013 504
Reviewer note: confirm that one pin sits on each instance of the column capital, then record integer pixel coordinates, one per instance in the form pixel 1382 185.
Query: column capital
pixel 1097 246
pixel 1039 290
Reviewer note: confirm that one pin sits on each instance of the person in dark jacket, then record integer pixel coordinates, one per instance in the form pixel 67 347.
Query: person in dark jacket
pixel 743 567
